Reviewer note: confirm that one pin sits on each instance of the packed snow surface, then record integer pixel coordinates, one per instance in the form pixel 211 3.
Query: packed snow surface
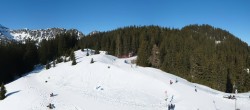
pixel 111 83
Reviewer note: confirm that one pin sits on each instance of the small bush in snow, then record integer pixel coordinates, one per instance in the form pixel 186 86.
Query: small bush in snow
pixel 65 59
pixel 87 52
pixel 74 62
pixel 48 66
pixel 92 61
pixel 59 60
pixel 51 106
pixel 54 63
pixel 97 52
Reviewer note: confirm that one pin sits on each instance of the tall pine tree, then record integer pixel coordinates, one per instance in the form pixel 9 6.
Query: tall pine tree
pixel 72 57
pixel 143 54
pixel 2 92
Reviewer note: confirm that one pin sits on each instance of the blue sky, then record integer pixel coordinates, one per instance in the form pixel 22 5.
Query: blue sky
pixel 103 15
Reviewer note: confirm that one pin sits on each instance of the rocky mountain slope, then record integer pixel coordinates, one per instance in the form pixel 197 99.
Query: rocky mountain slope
pixel 36 35
pixel 5 33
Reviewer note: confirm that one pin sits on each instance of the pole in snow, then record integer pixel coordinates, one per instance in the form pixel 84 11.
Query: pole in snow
pixel 235 99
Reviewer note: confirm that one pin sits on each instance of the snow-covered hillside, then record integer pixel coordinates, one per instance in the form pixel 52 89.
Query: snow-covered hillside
pixel 111 83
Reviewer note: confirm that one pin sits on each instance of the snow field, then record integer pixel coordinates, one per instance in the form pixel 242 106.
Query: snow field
pixel 111 83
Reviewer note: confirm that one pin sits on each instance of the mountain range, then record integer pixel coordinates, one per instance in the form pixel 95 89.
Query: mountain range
pixel 36 35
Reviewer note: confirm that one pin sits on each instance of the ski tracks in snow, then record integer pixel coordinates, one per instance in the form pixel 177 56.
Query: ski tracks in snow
pixel 101 97
pixel 42 92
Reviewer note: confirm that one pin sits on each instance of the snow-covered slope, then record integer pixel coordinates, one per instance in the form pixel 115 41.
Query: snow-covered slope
pixel 5 33
pixel 112 84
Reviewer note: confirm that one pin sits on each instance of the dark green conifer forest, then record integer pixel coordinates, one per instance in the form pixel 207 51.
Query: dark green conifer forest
pixel 17 58
pixel 199 53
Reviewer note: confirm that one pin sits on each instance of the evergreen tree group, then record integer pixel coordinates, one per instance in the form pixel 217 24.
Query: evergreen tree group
pixel 18 58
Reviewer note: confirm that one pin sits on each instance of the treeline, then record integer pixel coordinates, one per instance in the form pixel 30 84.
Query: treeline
pixel 199 53
pixel 61 45
pixel 18 58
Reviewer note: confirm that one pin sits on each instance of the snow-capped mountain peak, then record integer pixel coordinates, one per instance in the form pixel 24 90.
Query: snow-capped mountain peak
pixel 36 35
pixel 5 33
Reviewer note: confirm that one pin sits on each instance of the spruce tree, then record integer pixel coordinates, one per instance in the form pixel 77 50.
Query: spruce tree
pixel 154 58
pixel 74 61
pixel 229 85
pixel 48 65
pixel 87 52
pixel 54 63
pixel 2 92
pixel 118 46
pixel 142 55
pixel 72 57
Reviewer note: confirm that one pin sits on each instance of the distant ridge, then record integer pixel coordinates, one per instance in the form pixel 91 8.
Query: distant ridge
pixel 35 35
